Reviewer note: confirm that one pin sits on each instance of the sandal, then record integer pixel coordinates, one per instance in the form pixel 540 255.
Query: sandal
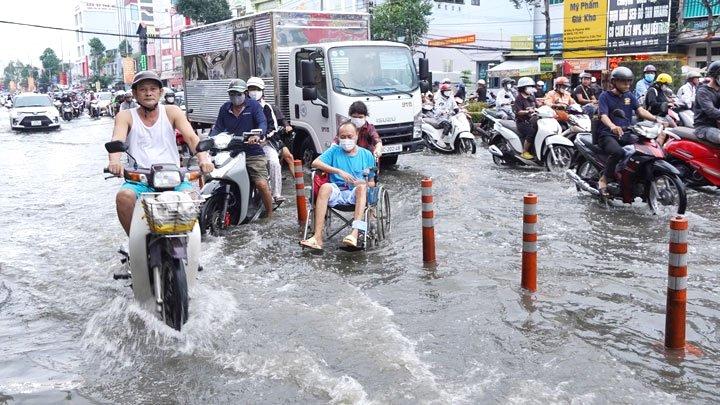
pixel 350 241
pixel 311 243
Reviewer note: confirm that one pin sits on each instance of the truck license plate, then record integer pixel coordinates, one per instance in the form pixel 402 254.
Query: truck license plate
pixel 392 148
pixel 35 123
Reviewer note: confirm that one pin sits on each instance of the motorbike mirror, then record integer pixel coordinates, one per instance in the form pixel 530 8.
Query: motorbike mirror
pixel 618 113
pixel 116 147
pixel 205 145
pixel 424 86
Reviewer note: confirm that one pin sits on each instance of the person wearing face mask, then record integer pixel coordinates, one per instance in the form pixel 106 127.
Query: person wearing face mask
pixel 239 115
pixel 649 73
pixel 368 136
pixel 346 164
pixel 445 107
pixel 657 94
pixel 274 147
pixel 686 92
pixel 169 97
pixel 707 106
pixel 524 107
pixel 560 98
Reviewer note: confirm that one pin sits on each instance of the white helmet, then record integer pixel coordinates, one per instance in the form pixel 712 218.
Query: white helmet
pixel 120 93
pixel 525 82
pixel 257 82
pixel 540 83
pixel 481 81
pixel 446 80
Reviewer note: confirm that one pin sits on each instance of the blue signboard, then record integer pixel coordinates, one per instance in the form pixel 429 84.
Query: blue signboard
pixel 556 43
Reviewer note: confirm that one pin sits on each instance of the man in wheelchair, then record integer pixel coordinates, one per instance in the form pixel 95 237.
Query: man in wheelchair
pixel 349 167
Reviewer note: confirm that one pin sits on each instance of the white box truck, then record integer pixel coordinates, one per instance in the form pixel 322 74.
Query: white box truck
pixel 314 65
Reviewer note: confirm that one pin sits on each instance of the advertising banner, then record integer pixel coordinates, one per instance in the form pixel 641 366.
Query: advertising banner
pixel 521 45
pixel 547 64
pixel 556 43
pixel 465 39
pixel 128 65
pixel 638 28
pixel 585 26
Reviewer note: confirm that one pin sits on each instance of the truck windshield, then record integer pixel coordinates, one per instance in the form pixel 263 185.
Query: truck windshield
pixel 377 70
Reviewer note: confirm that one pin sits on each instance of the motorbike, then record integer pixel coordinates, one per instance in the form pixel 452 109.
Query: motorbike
pixel 458 140
pixel 552 150
pixel 58 105
pixel 77 108
pixel 67 111
pixel 698 161
pixel 164 243
pixel 578 122
pixel 642 173
pixel 94 109
pixel 230 197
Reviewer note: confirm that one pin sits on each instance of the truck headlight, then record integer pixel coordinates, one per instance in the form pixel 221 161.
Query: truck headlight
pixel 166 179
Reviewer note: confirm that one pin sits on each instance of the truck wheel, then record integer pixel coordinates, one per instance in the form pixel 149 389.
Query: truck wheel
pixel 307 151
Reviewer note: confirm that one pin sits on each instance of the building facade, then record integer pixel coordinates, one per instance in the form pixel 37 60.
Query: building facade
pixel 97 16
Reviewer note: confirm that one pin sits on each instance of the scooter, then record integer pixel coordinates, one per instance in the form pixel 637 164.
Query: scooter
pixel 94 109
pixel 164 244
pixel 643 173
pixel 458 140
pixel 230 197
pixel 552 150
pixel 698 161
pixel 578 122
pixel 77 108
pixel 67 111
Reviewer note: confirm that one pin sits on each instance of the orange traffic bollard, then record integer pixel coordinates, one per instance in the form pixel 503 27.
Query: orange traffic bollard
pixel 677 284
pixel 529 251
pixel 300 200
pixel 428 221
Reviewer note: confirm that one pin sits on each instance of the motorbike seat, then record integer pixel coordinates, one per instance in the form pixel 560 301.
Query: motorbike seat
pixel 433 122
pixel 686 133
pixel 509 124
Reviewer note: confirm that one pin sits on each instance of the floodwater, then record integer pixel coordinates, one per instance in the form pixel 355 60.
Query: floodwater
pixel 272 324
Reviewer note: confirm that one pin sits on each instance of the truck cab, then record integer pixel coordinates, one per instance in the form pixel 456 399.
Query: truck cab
pixel 325 79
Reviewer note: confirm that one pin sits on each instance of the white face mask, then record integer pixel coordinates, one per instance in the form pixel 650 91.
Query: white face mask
pixel 447 93
pixel 170 99
pixel 358 122
pixel 508 86
pixel 255 94
pixel 347 144
pixel 530 90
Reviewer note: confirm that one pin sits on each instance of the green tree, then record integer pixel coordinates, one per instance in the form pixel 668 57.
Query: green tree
pixel 204 11
pixel 125 48
pixel 97 51
pixel 51 66
pixel 401 20
pixel 465 77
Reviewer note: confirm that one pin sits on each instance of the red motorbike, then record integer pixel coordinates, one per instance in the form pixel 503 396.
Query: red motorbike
pixel 698 161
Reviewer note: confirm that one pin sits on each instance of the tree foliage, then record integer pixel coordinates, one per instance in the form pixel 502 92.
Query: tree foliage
pixel 19 72
pixel 51 66
pixel 125 48
pixel 401 20
pixel 97 52
pixel 204 11
pixel 520 3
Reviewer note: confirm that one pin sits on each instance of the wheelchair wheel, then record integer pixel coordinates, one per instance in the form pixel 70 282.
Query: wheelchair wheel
pixel 382 215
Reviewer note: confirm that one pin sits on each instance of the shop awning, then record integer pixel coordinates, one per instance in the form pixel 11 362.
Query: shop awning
pixel 514 68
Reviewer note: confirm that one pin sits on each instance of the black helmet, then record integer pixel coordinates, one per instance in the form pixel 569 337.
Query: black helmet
pixel 621 73
pixel 713 70
pixel 649 68
pixel 145 75
pixel 505 81
pixel 169 93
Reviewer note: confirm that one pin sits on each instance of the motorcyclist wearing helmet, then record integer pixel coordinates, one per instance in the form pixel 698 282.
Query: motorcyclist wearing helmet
pixel 707 106
pixel 461 93
pixel 611 136
pixel 539 89
pixel 128 102
pixel 505 97
pixel 169 97
pixel 585 95
pixel 274 147
pixel 445 106
pixel 686 92
pixel 658 94
pixel 649 74
pixel 524 107
pixel 560 96
pixel 149 131
pixel 481 91
pixel 243 114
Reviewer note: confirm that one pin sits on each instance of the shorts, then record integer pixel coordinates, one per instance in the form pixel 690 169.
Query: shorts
pixel 140 188
pixel 257 167
pixel 341 197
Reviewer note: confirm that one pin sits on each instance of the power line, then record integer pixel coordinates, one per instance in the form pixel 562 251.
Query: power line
pixel 80 31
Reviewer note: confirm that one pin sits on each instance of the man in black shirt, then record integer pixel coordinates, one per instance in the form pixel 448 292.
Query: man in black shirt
pixel 481 92
pixel 524 107
pixel 707 106
pixel 585 95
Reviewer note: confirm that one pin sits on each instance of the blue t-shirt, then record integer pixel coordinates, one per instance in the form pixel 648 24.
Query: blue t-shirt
pixel 354 165
pixel 252 117
pixel 609 101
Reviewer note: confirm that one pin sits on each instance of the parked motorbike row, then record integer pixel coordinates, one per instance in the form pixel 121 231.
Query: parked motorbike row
pixel 656 174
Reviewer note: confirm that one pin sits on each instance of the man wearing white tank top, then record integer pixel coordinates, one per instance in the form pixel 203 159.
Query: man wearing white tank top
pixel 149 131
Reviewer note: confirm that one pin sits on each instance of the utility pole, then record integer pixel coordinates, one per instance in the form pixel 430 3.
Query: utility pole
pixel 547 26
pixel 142 34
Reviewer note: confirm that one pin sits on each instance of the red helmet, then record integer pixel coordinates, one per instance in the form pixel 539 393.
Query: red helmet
pixel 445 87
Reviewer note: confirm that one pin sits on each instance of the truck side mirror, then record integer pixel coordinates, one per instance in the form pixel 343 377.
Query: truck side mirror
pixel 307 73
pixel 424 69
pixel 309 93
pixel 424 86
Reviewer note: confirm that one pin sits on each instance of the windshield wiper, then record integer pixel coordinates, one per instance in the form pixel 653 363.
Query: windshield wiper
pixel 361 91
pixel 394 89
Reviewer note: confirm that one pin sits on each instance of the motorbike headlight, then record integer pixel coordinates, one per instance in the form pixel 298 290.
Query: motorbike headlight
pixel 221 158
pixel 222 140
pixel 166 179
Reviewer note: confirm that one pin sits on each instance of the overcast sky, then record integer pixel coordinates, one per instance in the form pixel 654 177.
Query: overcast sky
pixel 25 43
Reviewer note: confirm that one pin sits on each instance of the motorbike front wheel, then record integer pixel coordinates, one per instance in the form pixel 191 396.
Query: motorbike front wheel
pixel 175 292
pixel 212 220
pixel 558 159
pixel 666 195
pixel 465 145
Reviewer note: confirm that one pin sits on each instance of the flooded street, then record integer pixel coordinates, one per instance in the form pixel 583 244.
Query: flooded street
pixel 272 324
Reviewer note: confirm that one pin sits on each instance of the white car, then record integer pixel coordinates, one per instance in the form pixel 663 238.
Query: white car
pixel 104 98
pixel 33 110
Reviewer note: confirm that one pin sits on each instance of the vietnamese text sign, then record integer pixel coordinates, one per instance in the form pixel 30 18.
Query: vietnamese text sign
pixel 466 39
pixel 585 26
pixel 638 28
pixel 556 43
pixel 521 45
pixel 547 64
pixel 142 65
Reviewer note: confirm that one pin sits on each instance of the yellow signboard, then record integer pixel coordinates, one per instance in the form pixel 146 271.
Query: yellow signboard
pixel 521 45
pixel 466 39
pixel 585 26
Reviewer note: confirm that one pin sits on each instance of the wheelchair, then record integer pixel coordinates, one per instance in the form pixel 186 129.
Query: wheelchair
pixel 376 217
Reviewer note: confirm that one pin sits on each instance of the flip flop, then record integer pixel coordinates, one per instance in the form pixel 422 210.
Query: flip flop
pixel 311 243
pixel 350 241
